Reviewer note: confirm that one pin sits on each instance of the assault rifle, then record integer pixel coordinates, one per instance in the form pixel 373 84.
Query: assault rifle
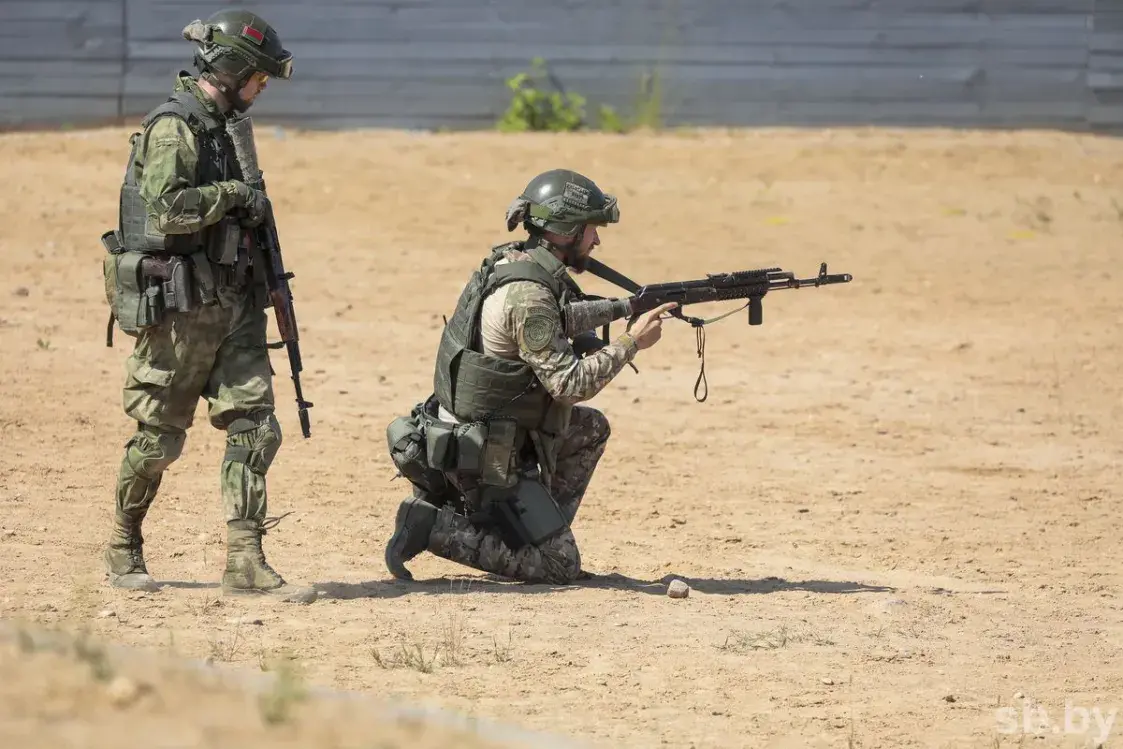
pixel 750 285
pixel 240 130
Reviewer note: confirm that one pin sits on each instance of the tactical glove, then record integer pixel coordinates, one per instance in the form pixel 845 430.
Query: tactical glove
pixel 253 202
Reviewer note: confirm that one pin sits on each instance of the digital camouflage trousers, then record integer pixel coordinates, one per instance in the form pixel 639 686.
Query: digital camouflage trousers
pixel 218 353
pixel 554 561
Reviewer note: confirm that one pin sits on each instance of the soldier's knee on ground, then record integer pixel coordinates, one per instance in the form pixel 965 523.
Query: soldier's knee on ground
pixel 561 559
pixel 254 443
pixel 150 451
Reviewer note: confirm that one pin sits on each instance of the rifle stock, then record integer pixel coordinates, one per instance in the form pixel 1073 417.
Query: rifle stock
pixel 277 278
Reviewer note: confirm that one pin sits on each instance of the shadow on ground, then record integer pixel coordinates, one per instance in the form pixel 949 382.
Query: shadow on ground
pixel 452 585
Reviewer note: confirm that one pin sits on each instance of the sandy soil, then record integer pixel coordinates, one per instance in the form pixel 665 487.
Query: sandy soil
pixel 895 510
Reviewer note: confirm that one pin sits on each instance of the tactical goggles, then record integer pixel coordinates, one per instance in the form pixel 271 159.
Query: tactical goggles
pixel 609 213
pixel 278 68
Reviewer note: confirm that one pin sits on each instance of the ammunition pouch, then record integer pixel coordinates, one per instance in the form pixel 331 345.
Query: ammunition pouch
pixel 475 452
pixel 526 513
pixel 222 241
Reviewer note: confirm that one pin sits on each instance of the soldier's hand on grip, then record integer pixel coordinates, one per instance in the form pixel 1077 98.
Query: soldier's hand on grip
pixel 647 328
pixel 253 201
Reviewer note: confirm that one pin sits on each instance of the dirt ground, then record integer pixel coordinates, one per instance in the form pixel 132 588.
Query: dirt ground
pixel 895 509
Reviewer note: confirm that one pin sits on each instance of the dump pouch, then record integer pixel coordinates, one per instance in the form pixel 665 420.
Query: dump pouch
pixel 136 303
pixel 526 513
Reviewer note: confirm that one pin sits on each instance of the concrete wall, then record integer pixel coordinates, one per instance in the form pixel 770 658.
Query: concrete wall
pixel 443 63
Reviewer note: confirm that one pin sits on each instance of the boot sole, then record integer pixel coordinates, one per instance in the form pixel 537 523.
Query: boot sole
pixel 297 596
pixel 149 586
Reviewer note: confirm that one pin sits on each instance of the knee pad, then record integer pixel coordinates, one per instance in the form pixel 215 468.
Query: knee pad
pixel 150 451
pixel 253 443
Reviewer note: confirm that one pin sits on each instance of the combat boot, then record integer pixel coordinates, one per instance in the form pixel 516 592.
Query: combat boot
pixel 247 572
pixel 124 557
pixel 412 527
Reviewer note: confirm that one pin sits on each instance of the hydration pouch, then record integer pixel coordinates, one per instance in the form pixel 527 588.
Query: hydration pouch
pixel 225 236
pixel 526 513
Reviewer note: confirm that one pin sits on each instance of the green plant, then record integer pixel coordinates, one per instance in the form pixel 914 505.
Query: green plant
pixel 532 109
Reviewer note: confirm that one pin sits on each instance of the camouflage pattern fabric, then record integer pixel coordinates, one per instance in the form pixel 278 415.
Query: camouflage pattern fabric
pixel 218 353
pixel 532 321
pixel 168 157
pixel 556 561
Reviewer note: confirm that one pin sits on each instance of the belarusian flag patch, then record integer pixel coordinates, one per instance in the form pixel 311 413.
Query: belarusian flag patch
pixel 255 36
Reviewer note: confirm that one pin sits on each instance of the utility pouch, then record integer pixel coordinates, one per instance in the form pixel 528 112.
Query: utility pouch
pixel 526 513
pixel 407 446
pixel 224 238
pixel 495 462
pixel 440 447
pixel 470 441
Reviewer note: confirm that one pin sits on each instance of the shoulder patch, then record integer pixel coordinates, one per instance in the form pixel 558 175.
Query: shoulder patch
pixel 538 331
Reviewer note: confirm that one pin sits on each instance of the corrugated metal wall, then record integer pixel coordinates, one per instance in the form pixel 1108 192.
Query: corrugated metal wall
pixel 443 63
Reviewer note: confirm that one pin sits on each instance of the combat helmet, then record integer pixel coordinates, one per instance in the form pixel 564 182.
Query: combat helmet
pixel 562 201
pixel 235 44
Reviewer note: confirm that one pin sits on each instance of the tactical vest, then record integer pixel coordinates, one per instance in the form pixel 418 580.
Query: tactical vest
pixel 475 386
pixel 216 163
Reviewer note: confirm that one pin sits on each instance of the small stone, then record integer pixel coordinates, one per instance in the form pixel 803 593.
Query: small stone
pixel 106 613
pixel 244 620
pixel 22 291
pixel 1018 695
pixel 123 691
pixel 891 605
pixel 949 698
pixel 678 589
pixel 827 681
pixel 9 534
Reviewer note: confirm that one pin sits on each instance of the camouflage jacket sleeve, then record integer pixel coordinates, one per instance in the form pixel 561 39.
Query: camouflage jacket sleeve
pixel 175 204
pixel 536 325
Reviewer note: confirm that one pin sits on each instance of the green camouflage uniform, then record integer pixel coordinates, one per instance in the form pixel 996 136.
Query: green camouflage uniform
pixel 215 351
pixel 516 351
pixel 531 317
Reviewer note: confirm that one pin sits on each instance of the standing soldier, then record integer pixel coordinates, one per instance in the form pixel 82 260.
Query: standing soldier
pixel 501 455
pixel 182 279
